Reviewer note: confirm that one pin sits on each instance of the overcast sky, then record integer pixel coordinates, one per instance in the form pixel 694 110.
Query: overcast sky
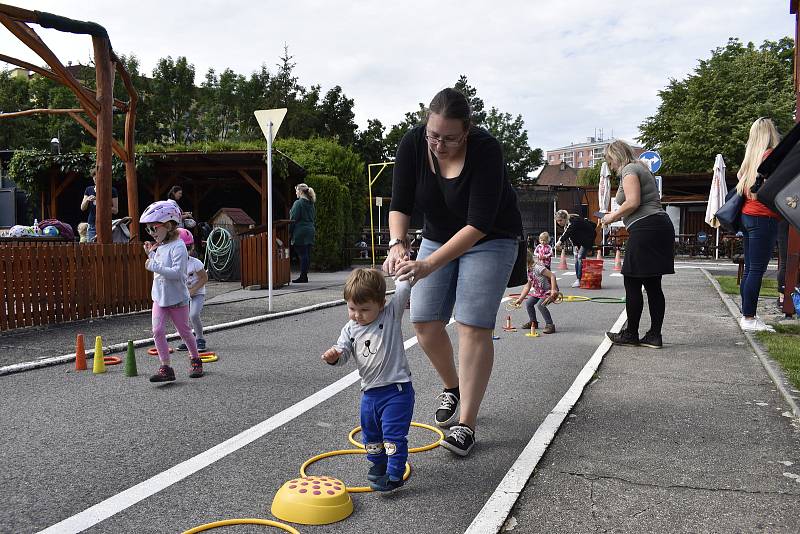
pixel 569 67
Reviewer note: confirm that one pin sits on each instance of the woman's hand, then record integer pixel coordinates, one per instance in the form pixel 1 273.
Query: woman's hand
pixel 396 255
pixel 413 270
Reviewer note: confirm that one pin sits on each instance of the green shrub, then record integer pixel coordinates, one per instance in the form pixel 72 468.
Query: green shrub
pixel 333 201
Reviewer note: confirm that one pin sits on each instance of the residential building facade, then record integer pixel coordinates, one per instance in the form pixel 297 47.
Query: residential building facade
pixel 584 155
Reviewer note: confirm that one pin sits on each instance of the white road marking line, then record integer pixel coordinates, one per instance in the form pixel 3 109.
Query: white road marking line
pixel 496 510
pixel 127 498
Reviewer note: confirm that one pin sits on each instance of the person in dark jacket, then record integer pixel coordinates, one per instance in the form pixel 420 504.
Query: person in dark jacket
pixel 581 233
pixel 303 215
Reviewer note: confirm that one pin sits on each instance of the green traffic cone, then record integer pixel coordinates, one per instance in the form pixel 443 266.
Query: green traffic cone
pixel 130 361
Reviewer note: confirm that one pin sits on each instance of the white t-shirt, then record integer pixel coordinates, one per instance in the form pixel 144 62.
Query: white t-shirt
pixel 193 266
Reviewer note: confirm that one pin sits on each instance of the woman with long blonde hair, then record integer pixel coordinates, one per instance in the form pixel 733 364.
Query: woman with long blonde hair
pixel 649 248
pixel 759 222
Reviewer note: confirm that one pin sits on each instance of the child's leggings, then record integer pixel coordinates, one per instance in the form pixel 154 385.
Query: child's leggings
pixel 180 318
pixel 535 303
pixel 195 309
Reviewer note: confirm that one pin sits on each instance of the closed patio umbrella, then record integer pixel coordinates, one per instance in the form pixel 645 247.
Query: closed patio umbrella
pixel 716 197
pixel 604 193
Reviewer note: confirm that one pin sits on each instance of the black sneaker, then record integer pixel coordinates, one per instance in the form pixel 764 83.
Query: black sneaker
pixel 446 413
pixel 651 340
pixel 385 483
pixel 201 344
pixel 165 374
pixel 623 338
pixel 460 441
pixel 182 347
pixel 197 368
pixel 376 472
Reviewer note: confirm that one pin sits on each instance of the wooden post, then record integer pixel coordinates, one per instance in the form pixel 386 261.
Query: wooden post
pixel 105 99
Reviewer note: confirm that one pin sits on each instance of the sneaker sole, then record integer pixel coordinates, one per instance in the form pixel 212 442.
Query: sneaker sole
pixel 649 345
pixel 449 422
pixel 617 343
pixel 456 450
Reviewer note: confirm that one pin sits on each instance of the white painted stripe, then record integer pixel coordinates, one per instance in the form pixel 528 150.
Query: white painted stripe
pixel 496 510
pixel 617 274
pixel 125 499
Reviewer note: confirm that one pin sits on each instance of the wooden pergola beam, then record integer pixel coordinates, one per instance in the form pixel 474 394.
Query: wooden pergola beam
pixel 44 111
pixel 118 150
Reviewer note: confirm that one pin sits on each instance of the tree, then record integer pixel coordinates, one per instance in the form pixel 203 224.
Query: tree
pixel 475 103
pixel 174 96
pixel 396 133
pixel 521 160
pixel 369 143
pixel 336 117
pixel 711 110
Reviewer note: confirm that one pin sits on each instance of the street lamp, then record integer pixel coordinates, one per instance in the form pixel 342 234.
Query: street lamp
pixel 55 146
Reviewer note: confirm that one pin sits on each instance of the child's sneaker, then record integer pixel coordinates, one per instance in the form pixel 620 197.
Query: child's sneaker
pixel 197 368
pixel 527 326
pixel 446 413
pixel 385 483
pixel 376 472
pixel 201 344
pixel 460 441
pixel 549 329
pixel 165 374
pixel 182 347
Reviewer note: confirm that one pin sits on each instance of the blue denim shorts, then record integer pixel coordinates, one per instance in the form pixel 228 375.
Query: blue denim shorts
pixel 472 284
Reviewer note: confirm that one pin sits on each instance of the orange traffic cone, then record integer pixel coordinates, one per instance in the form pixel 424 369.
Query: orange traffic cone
pixel 617 262
pixel 563 265
pixel 509 327
pixel 80 354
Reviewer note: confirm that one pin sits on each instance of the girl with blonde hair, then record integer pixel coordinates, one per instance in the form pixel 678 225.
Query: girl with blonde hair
pixel 759 222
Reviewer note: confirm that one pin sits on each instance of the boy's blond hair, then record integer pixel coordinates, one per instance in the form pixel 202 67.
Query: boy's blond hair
pixel 545 236
pixel 365 285
pixel 83 228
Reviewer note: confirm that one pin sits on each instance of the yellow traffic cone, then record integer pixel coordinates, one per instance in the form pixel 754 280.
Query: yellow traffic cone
pixel 99 365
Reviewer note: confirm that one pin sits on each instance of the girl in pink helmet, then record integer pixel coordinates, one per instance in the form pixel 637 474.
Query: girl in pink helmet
pixel 197 277
pixel 167 258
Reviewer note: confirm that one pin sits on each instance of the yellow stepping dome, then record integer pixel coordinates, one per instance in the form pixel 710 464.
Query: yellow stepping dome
pixel 312 500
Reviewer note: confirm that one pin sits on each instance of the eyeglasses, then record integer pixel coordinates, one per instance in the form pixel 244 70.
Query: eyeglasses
pixel 151 228
pixel 446 142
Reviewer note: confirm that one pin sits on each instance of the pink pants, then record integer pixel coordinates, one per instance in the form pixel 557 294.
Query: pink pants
pixel 180 318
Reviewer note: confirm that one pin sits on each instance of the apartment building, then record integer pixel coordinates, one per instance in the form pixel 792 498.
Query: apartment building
pixel 583 155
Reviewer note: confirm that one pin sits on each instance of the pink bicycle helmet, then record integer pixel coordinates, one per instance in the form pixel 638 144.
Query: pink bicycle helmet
pixel 186 237
pixel 161 211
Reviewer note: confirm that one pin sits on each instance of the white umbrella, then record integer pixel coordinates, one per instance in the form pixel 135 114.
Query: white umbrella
pixel 716 197
pixel 604 193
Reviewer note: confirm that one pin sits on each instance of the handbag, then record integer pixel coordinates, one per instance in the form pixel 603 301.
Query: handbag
pixel 787 201
pixel 781 167
pixel 730 214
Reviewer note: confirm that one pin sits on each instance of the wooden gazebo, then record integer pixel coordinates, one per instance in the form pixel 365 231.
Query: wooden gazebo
pixel 97 106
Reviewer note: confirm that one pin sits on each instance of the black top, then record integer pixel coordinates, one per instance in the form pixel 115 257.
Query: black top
pixel 481 196
pixel 580 231
pixel 92 205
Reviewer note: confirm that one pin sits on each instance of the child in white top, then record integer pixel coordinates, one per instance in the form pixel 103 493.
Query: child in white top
pixel 167 259
pixel 197 277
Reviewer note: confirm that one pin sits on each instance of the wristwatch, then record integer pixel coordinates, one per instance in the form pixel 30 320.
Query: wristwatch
pixel 397 241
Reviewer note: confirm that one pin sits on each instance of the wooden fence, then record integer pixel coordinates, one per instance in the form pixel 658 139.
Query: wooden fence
pixel 48 283
pixel 253 250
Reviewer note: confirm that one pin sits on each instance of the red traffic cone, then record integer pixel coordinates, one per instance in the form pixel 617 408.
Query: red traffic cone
pixel 80 354
pixel 563 264
pixel 617 262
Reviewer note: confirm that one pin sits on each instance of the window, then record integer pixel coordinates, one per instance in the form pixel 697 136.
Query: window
pixel 580 164
pixel 580 154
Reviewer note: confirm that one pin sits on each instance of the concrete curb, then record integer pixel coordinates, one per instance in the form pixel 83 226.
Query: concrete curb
pixel 773 369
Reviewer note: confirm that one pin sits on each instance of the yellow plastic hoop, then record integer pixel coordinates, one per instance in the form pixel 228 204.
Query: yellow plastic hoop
pixel 212 357
pixel 244 521
pixel 360 450
pixel 575 298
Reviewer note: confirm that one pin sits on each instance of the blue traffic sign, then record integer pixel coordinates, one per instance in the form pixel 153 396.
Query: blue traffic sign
pixel 652 159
